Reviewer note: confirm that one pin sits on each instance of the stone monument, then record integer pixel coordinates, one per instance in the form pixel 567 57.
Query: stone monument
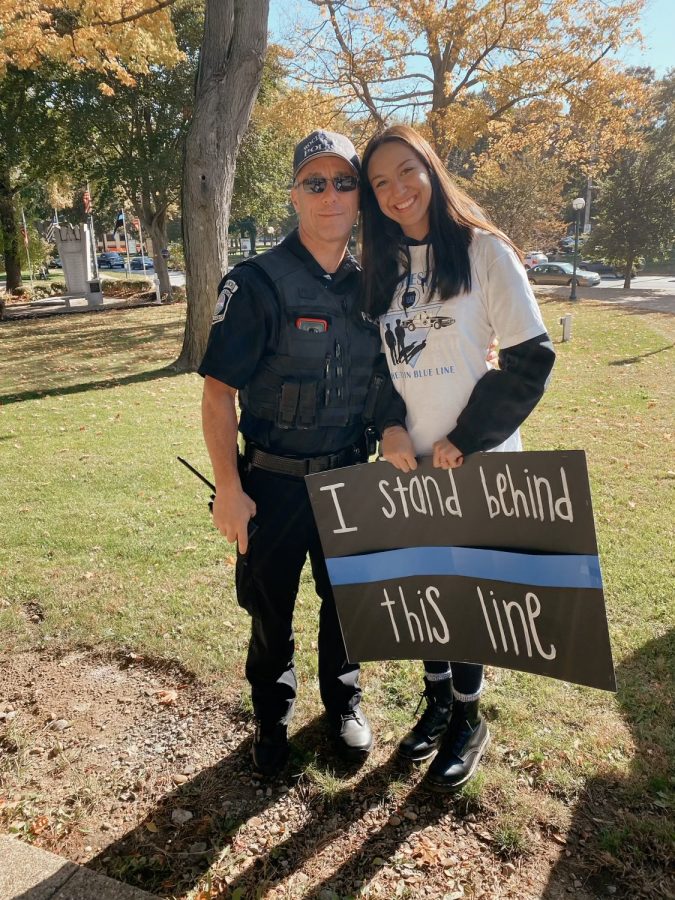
pixel 75 250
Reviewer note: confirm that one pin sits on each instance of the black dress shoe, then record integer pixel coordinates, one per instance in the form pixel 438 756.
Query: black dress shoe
pixel 424 738
pixel 352 732
pixel 270 749
pixel 464 744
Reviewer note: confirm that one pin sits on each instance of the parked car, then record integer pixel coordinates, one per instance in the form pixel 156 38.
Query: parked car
pixel 534 258
pixel 561 273
pixel 137 262
pixel 605 268
pixel 567 243
pixel 110 260
pixel 55 263
pixel 601 267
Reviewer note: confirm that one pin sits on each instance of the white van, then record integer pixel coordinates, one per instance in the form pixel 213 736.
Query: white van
pixel 534 258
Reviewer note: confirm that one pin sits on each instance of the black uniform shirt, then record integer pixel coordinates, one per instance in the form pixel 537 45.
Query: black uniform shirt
pixel 246 327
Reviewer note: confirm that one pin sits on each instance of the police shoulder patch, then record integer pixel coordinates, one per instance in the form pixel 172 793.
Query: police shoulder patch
pixel 229 288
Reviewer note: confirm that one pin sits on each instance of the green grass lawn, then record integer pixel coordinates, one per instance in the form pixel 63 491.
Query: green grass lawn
pixel 111 538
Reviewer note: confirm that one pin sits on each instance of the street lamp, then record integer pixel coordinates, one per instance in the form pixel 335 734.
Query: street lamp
pixel 577 205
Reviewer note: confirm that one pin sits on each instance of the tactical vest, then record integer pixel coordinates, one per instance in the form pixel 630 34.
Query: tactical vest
pixel 321 371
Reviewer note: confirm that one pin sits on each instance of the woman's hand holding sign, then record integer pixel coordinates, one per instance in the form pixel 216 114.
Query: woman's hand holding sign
pixel 446 455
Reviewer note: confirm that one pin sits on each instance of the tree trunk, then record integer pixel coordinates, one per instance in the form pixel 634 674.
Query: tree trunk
pixel 232 54
pixel 252 232
pixel 157 231
pixel 10 235
pixel 628 274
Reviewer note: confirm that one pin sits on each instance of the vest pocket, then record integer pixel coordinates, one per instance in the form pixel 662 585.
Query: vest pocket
pixel 298 404
pixel 309 333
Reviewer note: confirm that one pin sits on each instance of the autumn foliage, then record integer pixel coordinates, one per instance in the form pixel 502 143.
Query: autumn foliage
pixel 115 36
pixel 456 68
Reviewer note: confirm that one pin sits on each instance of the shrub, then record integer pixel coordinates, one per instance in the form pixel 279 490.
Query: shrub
pixel 127 289
pixel 57 287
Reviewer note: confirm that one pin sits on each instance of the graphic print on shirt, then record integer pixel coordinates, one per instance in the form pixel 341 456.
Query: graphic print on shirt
pixel 411 322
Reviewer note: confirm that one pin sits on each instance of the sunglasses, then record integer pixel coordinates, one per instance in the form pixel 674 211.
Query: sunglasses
pixel 341 183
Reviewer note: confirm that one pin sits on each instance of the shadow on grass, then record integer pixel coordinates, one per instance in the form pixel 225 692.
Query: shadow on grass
pixel 96 336
pixel 620 841
pixel 171 859
pixel 101 384
pixel 635 359
pixel 609 296
pixel 367 858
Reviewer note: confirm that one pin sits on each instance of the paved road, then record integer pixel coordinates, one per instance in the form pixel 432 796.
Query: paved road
pixel 642 282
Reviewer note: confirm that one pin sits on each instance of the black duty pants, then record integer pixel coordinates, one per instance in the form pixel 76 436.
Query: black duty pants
pixel 267 579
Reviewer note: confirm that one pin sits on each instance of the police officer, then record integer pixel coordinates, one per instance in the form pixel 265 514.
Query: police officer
pixel 288 337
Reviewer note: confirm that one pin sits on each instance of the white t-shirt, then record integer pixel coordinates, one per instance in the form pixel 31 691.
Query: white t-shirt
pixel 436 350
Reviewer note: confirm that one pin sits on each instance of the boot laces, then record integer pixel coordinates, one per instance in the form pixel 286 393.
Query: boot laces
pixel 435 715
pixel 351 714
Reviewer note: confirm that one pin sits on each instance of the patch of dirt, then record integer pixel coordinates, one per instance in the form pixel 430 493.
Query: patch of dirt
pixel 142 772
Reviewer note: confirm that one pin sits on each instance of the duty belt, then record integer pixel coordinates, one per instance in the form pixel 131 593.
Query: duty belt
pixel 286 465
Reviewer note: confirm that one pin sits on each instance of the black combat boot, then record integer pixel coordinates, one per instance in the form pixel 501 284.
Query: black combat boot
pixel 461 749
pixel 423 739
pixel 270 748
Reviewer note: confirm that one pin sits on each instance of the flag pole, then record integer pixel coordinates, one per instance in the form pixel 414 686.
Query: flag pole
pixel 126 244
pixel 92 235
pixel 25 240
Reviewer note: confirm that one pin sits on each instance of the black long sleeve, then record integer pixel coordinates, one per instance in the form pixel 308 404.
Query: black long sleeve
pixel 504 397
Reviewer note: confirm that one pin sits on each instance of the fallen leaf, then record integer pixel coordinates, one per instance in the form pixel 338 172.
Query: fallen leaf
pixel 166 697
pixel 39 824
pixel 151 827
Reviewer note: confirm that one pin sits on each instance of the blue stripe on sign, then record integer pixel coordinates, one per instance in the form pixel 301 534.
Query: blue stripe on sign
pixel 547 570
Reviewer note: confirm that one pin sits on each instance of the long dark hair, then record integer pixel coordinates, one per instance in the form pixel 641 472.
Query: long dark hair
pixel 453 217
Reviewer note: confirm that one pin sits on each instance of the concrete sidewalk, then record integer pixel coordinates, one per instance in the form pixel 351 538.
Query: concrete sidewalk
pixel 50 306
pixel 27 873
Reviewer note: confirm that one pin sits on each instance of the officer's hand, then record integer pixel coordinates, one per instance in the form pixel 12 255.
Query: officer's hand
pixel 397 448
pixel 446 455
pixel 232 510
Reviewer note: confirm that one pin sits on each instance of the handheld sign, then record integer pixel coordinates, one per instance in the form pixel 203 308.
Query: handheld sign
pixel 495 562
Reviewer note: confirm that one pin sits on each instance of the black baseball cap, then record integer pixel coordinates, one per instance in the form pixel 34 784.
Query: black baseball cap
pixel 325 143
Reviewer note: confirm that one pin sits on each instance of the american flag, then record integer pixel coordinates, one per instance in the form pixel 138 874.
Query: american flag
pixel 87 202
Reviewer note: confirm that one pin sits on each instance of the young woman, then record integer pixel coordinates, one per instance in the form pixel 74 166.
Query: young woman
pixel 444 282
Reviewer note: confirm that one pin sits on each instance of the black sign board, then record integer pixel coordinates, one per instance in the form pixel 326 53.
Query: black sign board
pixel 495 562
